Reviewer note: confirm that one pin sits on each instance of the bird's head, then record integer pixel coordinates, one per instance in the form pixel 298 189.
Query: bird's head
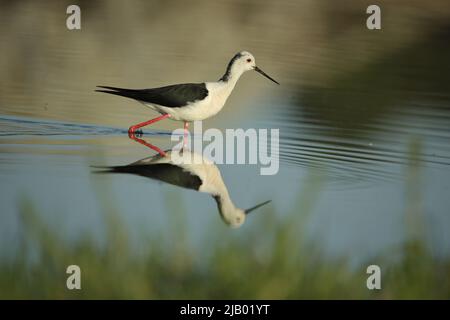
pixel 232 216
pixel 236 218
pixel 244 61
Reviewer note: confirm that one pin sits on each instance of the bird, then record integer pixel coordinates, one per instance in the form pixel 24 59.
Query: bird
pixel 189 102
pixel 195 172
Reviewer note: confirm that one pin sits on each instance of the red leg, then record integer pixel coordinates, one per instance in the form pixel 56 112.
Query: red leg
pixel 147 144
pixel 132 129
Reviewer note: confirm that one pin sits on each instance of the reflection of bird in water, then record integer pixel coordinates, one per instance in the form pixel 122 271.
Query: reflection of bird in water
pixel 189 170
pixel 190 101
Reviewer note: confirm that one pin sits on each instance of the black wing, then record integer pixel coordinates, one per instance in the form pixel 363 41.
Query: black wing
pixel 174 96
pixel 164 172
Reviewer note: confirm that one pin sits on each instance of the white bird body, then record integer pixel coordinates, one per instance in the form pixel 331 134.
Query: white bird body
pixel 195 164
pixel 218 93
pixel 209 174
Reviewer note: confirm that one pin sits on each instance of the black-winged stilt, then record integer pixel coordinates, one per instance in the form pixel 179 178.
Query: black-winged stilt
pixel 190 101
pixel 198 173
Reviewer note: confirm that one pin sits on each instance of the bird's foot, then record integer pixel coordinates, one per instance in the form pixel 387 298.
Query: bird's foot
pixel 133 130
pixel 135 134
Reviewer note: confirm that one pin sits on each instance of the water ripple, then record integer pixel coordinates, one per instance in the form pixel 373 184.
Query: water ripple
pixel 379 149
pixel 11 126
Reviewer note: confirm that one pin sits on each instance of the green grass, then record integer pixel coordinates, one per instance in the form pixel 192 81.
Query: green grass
pixel 284 269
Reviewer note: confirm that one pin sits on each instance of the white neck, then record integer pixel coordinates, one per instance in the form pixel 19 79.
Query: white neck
pixel 226 206
pixel 232 75
pixel 228 81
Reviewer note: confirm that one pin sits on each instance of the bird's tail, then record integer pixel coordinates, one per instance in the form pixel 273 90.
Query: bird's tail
pixel 136 169
pixel 128 93
pixel 107 169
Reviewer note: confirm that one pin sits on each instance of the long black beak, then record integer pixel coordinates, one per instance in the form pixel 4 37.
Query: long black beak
pixel 256 207
pixel 265 75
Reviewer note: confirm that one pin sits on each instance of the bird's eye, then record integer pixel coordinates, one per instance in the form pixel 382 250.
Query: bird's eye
pixel 249 60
